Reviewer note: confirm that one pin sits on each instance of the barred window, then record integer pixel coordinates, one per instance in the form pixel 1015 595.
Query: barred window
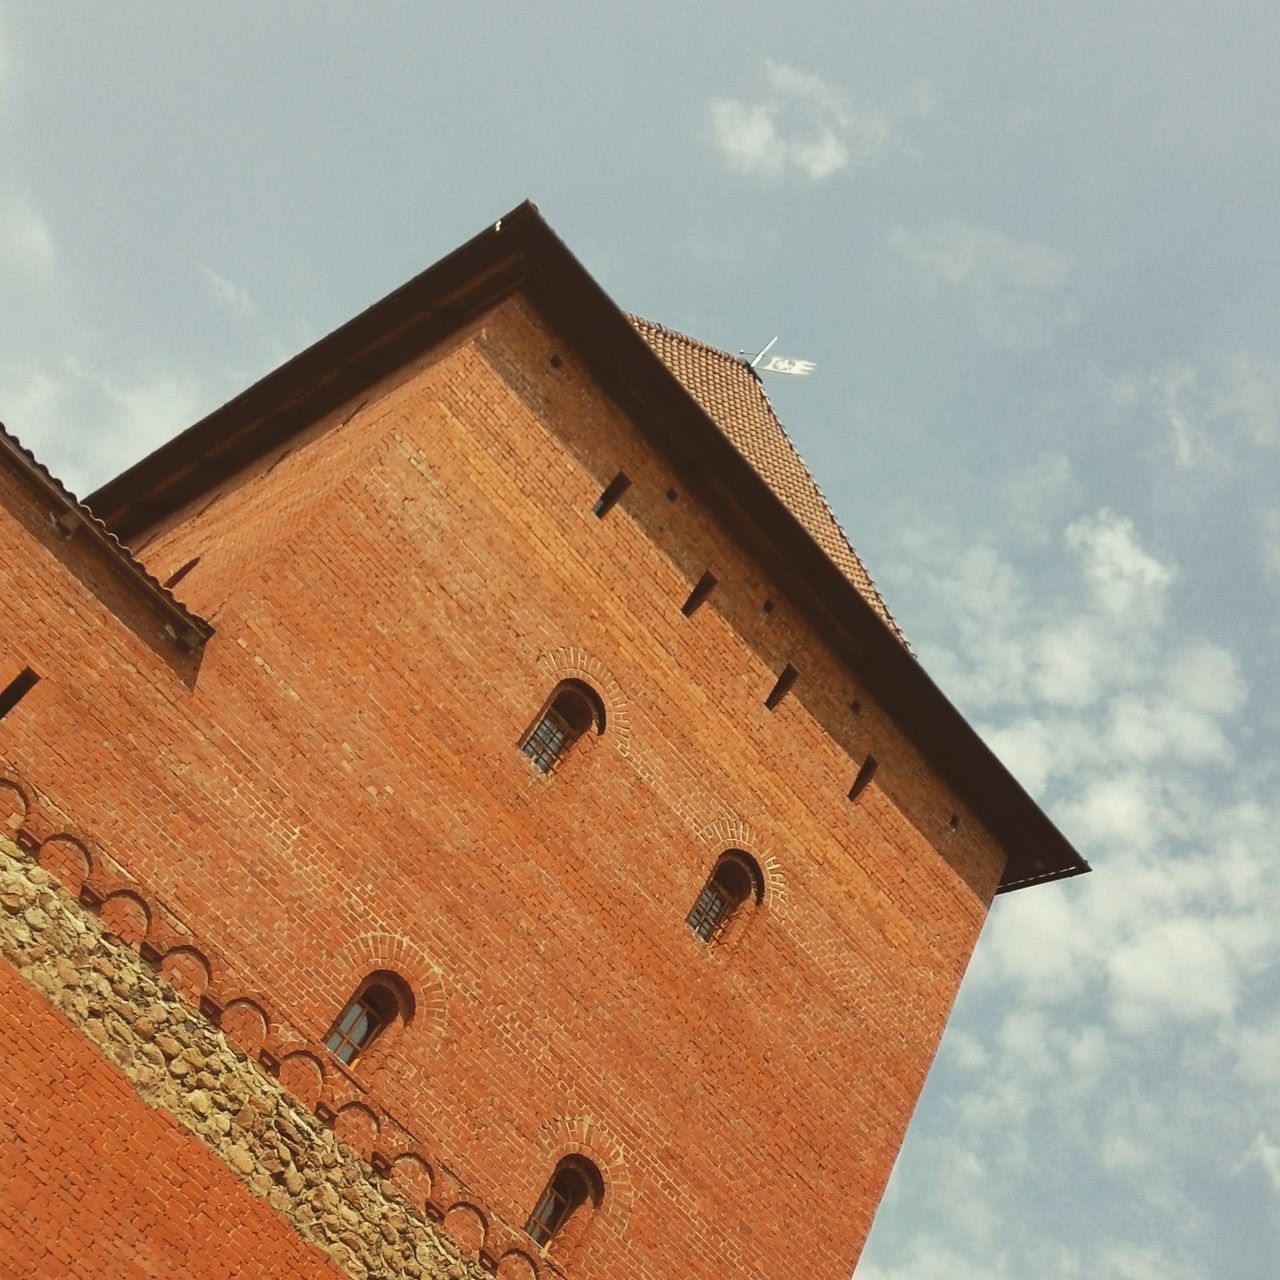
pixel 380 1001
pixel 735 880
pixel 572 710
pixel 574 1189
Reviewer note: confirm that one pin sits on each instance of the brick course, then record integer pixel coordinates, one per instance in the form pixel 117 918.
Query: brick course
pixel 335 785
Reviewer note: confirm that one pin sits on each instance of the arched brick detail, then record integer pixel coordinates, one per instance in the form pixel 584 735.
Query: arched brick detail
pixel 62 856
pixel 15 805
pixel 187 971
pixel 724 834
pixel 584 1136
pixel 411 1176
pixel 245 1023
pixel 555 665
pixel 395 953
pixel 127 915
pixel 357 1126
pixel 302 1073
pixel 467 1227
pixel 516 1264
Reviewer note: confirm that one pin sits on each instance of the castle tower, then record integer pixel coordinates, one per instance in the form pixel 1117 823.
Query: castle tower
pixel 490 733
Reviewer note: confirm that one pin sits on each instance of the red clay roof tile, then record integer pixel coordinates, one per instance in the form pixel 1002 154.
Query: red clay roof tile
pixel 729 392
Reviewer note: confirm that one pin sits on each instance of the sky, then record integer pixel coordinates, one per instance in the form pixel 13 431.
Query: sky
pixel 1032 252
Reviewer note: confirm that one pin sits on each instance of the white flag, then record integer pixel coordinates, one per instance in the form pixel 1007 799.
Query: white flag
pixel 785 364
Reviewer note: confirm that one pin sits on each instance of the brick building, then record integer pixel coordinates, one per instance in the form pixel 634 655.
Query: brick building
pixel 464 807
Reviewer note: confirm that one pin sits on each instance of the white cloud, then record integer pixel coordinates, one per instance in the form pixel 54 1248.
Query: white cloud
pixel 1269 519
pixel 1247 395
pixel 1266 1153
pixel 229 294
pixel 90 424
pixel 1210 411
pixel 1122 576
pixel 799 123
pixel 1031 494
pixel 1012 288
pixel 1180 969
pixel 28 253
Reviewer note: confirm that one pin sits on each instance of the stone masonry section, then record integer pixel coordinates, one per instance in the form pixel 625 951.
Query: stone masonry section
pixel 136 1141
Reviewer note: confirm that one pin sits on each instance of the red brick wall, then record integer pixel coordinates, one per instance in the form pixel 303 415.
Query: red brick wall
pixel 341 789
pixel 94 1184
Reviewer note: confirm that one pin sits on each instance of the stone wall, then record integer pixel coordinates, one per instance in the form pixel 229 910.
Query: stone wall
pixel 134 1165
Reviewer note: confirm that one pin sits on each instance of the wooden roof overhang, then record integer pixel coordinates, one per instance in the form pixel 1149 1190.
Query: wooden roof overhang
pixel 521 252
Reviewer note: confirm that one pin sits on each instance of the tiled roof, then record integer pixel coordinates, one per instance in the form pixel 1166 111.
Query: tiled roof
pixel 729 392
pixel 77 514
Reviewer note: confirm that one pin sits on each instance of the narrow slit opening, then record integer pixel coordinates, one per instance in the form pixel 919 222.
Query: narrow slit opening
pixel 701 590
pixel 865 774
pixel 782 687
pixel 178 575
pixel 612 492
pixel 16 690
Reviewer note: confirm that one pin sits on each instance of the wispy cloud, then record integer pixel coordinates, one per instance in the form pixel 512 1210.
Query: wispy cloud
pixel 1110 1002
pixel 230 295
pixel 85 418
pixel 1012 289
pixel 798 123
pixel 1211 411
pixel 1269 520
pixel 90 423
pixel 28 253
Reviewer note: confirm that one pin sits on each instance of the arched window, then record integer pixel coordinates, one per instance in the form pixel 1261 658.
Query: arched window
pixel 572 709
pixel 380 1001
pixel 574 1191
pixel 735 880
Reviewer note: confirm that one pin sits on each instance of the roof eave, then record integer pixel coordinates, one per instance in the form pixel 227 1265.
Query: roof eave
pixel 521 250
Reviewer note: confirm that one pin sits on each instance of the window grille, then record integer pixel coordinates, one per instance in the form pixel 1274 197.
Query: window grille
pixel 549 1213
pixel 713 908
pixel 573 709
pixel 550 739
pixel 734 881
pixel 355 1028
pixel 575 1183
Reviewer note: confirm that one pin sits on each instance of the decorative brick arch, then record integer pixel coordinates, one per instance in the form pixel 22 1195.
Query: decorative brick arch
pixel 396 954
pixel 127 915
pixel 65 857
pixel 188 971
pixel 567 663
pixel 467 1225
pixel 584 1136
pixel 357 1125
pixel 725 834
pixel 15 805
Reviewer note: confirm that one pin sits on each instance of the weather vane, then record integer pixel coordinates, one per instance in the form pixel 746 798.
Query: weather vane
pixel 779 364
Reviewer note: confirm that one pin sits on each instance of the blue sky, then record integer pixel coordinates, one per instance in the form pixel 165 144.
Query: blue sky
pixel 1032 250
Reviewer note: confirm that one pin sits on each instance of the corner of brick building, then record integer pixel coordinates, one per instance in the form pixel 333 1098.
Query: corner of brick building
pixel 338 789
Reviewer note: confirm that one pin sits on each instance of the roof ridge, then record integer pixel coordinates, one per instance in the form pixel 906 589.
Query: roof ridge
pixel 709 347
pixel 747 423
